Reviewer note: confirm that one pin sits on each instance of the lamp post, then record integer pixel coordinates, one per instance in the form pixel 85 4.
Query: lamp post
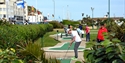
pixel 108 10
pixel 67 13
pixel 92 17
pixel 54 8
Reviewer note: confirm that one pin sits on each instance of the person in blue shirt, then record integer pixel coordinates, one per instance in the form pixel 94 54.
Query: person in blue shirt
pixel 80 27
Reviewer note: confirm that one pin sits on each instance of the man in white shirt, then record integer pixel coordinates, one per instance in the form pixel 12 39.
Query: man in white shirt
pixel 75 38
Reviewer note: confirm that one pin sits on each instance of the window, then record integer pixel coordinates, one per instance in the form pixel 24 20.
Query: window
pixel 0 9
pixel 4 9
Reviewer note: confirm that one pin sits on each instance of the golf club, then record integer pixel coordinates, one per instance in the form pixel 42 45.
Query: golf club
pixel 66 52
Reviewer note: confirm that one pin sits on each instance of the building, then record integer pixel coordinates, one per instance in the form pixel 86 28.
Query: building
pixel 9 9
pixel 2 8
pixel 33 18
pixel 40 18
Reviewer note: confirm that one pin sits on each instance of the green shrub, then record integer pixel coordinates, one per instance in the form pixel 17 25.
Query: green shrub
pixel 77 62
pixel 105 52
pixel 119 31
pixel 56 24
pixel 33 53
pixel 73 23
pixel 14 34
pixel 4 22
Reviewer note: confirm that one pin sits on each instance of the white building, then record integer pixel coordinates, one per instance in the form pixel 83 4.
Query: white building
pixel 40 18
pixel 2 8
pixel 35 18
pixel 9 9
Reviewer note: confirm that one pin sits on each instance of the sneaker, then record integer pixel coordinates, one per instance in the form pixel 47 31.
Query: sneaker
pixel 73 58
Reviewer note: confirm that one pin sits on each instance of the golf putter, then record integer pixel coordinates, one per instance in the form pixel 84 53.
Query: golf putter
pixel 67 52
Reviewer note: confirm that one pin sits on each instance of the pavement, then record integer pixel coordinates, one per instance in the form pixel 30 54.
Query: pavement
pixel 61 53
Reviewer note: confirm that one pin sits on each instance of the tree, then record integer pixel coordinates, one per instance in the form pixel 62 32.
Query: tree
pixel 98 22
pixel 30 9
pixel 122 19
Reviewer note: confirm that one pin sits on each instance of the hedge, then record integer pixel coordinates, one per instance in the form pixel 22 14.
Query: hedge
pixel 11 34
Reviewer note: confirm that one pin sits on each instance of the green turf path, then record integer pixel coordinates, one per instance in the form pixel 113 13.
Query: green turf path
pixel 65 47
pixel 66 38
pixel 65 60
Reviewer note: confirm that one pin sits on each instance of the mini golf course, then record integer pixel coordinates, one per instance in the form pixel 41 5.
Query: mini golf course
pixel 65 47
pixel 65 60
pixel 66 38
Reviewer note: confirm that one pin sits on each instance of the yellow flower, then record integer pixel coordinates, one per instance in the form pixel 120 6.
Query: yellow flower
pixel 0 50
pixel 12 49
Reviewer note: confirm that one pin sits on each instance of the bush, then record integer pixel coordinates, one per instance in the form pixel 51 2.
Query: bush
pixel 17 46
pixel 14 34
pixel 56 24
pixel 73 23
pixel 33 53
pixel 4 22
pixel 119 31
pixel 105 52
pixel 77 62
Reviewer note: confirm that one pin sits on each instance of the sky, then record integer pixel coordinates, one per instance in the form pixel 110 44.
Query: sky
pixel 73 9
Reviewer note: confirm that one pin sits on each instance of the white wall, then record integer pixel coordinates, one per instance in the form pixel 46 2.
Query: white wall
pixel 10 9
pixel 40 18
pixel 26 11
pixel 32 19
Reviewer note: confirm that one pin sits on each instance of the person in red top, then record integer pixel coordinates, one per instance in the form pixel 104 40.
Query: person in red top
pixel 102 30
pixel 87 34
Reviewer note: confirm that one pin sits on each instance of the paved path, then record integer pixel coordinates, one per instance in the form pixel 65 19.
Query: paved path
pixel 61 54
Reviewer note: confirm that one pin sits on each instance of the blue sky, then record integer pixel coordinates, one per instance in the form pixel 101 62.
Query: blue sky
pixel 73 9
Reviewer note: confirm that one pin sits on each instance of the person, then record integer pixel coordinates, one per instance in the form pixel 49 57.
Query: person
pixel 80 32
pixel 65 30
pixel 80 27
pixel 87 34
pixel 102 30
pixel 69 26
pixel 75 38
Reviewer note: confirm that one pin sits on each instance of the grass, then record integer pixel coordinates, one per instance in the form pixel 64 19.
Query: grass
pixel 47 41
pixel 93 37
